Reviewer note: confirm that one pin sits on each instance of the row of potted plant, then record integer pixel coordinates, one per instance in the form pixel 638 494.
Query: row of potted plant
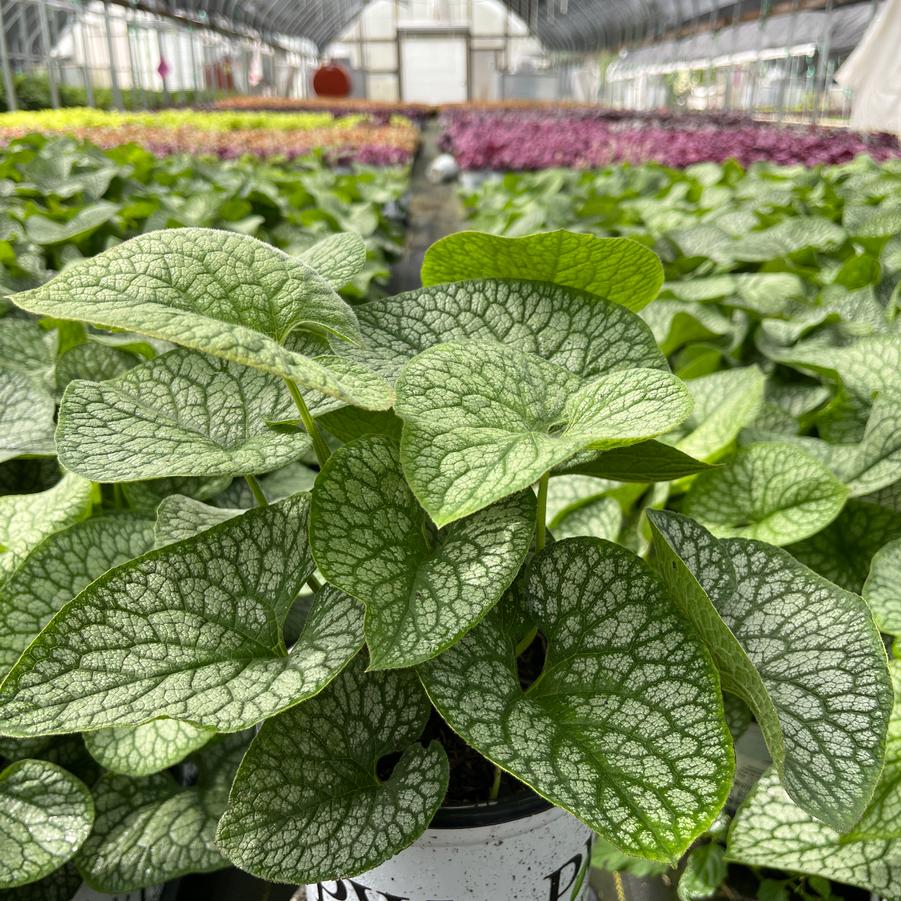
pixel 530 139
pixel 341 139
pixel 66 199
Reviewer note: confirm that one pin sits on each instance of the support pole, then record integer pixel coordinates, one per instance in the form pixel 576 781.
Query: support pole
pixel 11 102
pixel 788 62
pixel 111 49
pixel 85 69
pixel 48 54
pixel 159 47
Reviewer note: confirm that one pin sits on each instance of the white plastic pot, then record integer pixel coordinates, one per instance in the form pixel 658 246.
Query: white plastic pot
pixel 517 850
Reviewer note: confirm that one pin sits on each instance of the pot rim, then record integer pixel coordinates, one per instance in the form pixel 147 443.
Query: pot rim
pixel 522 804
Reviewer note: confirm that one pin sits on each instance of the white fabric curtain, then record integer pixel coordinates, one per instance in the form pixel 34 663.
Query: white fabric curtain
pixel 873 73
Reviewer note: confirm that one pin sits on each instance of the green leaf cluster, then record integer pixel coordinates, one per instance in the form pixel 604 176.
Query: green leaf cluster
pixel 297 544
pixel 779 310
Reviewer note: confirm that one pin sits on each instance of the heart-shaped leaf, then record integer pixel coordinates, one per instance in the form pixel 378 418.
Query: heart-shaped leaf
pixel 26 417
pixel 618 269
pixel 772 492
pixel 46 231
pixel 482 422
pixel 724 403
pixel 580 332
pixel 145 749
pixel 843 550
pixel 882 819
pixel 624 726
pixel 179 517
pixel 771 831
pixel 882 589
pixel 192 631
pixel 45 815
pixel 338 259
pixel 58 569
pixel 803 653
pixel 182 414
pixel 27 519
pixel 318 763
pixel 218 292
pixel 153 829
pixel 422 591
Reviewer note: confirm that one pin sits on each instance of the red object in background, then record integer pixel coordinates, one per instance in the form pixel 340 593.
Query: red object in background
pixel 332 80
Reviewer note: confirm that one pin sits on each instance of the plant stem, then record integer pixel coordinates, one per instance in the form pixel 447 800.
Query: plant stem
pixel 314 583
pixel 319 446
pixel 496 784
pixel 257 491
pixel 541 514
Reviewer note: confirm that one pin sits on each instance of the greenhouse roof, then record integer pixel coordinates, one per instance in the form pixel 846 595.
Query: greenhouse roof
pixel 772 37
pixel 574 25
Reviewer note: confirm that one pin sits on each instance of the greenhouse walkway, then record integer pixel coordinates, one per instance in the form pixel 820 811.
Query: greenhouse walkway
pixel 434 211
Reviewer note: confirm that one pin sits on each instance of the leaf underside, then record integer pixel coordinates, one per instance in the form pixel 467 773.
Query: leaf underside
pixel 618 269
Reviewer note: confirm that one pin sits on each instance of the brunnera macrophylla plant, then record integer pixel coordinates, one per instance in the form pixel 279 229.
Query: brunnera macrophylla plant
pixel 297 635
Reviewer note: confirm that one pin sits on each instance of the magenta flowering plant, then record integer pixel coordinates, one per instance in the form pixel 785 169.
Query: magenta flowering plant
pixel 539 139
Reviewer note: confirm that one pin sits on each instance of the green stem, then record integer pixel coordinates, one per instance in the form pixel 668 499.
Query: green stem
pixel 496 784
pixel 541 514
pixel 314 583
pixel 118 497
pixel 319 446
pixel 257 491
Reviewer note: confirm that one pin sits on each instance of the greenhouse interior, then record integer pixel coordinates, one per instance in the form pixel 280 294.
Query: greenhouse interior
pixel 450 450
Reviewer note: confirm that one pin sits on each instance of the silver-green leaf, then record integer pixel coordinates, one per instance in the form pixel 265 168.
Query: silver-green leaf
pixel 482 422
pixel 338 259
pixel 624 726
pixel 422 591
pixel 27 519
pixel 145 749
pixel 218 292
pixel 45 815
pixel 182 414
pixel 308 804
pixel 153 829
pixel 882 589
pixel 882 819
pixel 802 652
pixel 768 491
pixel 179 517
pixel 58 569
pixel 770 830
pixel 580 332
pixel 192 631
pixel 26 417
pixel 724 402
